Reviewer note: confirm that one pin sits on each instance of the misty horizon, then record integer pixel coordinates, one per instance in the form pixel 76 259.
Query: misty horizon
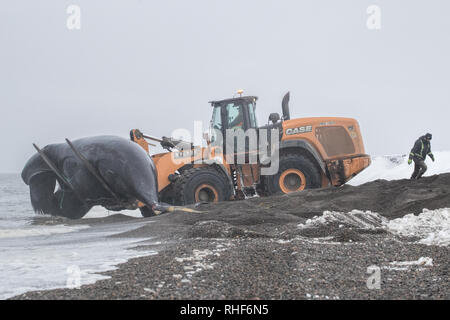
pixel 154 66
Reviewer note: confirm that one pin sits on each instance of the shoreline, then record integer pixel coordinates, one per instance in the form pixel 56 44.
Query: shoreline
pixel 255 249
pixel 267 268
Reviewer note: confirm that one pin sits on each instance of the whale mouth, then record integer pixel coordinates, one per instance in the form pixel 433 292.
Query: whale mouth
pixel 42 187
pixel 45 200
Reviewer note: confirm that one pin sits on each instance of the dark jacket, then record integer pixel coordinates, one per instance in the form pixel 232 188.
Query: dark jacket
pixel 421 149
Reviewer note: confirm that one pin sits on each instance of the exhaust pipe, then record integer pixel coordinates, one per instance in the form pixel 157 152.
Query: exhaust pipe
pixel 285 107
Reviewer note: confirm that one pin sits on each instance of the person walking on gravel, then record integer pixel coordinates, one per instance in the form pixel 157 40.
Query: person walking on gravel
pixel 421 149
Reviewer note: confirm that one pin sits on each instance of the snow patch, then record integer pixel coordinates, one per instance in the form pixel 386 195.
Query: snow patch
pixel 355 218
pixel 406 265
pixel 282 241
pixel 196 262
pixel 431 226
pixel 422 261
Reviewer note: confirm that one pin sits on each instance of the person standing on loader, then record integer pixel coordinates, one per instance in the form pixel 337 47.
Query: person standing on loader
pixel 421 149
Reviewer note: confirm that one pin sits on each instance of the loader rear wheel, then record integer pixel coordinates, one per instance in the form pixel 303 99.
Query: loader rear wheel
pixel 204 184
pixel 295 173
pixel 292 180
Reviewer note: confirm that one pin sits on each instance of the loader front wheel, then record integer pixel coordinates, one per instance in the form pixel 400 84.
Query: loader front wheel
pixel 203 184
pixel 296 173
pixel 206 193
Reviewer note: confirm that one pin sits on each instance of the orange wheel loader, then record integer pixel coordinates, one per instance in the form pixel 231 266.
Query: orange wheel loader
pixel 302 153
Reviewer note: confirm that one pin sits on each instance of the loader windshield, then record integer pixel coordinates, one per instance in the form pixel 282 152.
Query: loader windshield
pixel 235 116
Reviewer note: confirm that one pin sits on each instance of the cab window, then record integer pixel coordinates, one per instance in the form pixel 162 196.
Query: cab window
pixel 235 116
pixel 252 114
pixel 216 124
pixel 216 121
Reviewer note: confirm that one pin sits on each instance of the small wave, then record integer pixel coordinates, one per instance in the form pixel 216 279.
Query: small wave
pixel 38 231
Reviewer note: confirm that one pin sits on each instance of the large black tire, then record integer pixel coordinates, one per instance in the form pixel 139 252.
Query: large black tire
pixel 203 184
pixel 296 168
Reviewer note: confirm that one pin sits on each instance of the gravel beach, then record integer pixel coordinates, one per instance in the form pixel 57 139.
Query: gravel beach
pixel 264 248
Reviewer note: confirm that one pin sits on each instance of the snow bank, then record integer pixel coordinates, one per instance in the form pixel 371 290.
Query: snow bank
pixel 431 226
pixel 396 167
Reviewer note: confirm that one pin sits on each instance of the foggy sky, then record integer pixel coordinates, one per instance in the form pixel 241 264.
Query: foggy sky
pixel 154 65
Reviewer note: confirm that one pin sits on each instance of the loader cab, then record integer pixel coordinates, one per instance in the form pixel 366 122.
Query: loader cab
pixel 234 114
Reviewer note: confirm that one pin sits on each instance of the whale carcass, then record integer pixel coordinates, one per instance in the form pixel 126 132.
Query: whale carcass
pixel 107 171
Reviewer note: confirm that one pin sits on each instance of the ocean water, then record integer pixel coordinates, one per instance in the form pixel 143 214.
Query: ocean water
pixel 38 257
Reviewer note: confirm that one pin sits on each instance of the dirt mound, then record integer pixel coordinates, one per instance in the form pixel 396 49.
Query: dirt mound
pixel 389 198
pixel 278 216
